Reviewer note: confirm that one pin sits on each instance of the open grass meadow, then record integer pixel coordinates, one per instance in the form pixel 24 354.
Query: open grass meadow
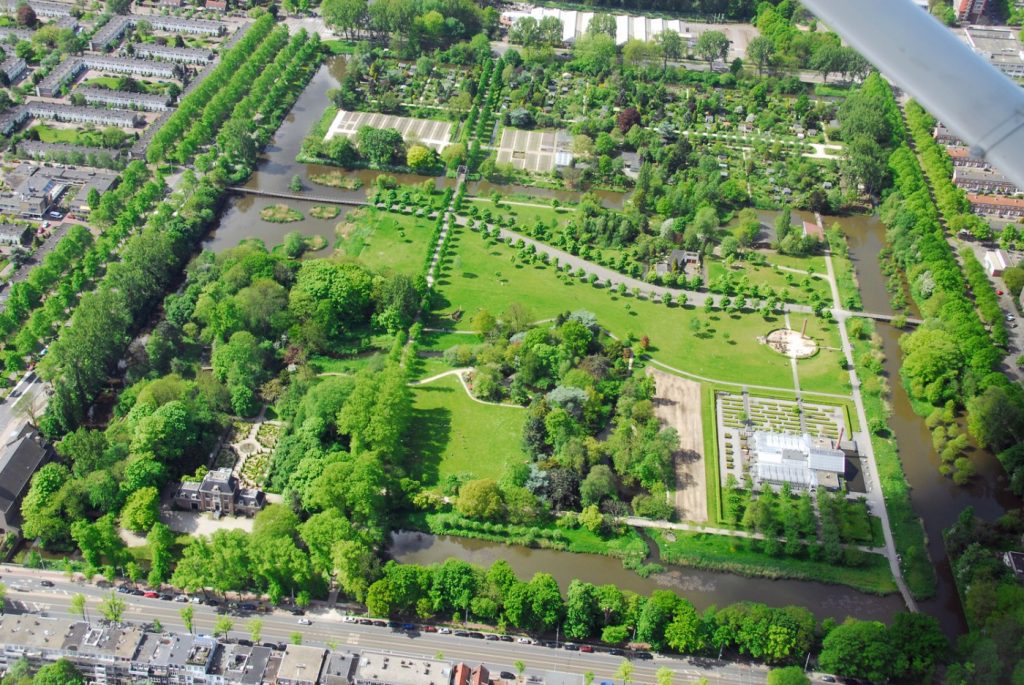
pixel 789 285
pixel 457 435
pixel 488 275
pixel 744 557
pixel 383 240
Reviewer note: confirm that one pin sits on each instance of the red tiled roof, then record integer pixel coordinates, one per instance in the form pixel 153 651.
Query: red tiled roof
pixel 995 200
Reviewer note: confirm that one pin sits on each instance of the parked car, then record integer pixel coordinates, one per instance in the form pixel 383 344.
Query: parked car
pixel 136 592
pixel 429 629
pixel 197 600
pixel 149 594
pixel 378 624
pixel 46 583
pixel 350 619
pixel 364 622
pixel 297 612
pixel 461 633
pixel 828 679
pixel 409 626
pixel 56 215
pixel 616 652
pixel 305 621
pixel 643 656
pixel 586 648
pixel 524 641
pixel 167 598
pixel 476 636
pixel 247 606
pixel 571 647
pixel 211 602
pixel 507 675
pixel 180 598
pixel 445 631
pixel 124 589
pixel 245 643
pixel 505 638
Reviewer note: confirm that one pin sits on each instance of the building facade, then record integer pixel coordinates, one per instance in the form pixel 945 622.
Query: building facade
pixel 219 493
pixel 799 460
pixel 21 455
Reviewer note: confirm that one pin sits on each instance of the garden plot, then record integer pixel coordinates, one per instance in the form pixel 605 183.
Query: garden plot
pixel 536 151
pixel 739 415
pixel 433 134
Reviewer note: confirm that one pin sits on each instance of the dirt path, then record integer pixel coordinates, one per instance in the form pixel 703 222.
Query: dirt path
pixel 677 404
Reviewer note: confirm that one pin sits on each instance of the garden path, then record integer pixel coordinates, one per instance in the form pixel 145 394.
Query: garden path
pixel 677 403
pixel 461 374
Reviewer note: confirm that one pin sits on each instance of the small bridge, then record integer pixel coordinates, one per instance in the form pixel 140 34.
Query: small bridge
pixel 888 317
pixel 296 196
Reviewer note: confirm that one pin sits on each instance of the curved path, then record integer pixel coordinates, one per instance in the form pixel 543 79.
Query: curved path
pixel 461 374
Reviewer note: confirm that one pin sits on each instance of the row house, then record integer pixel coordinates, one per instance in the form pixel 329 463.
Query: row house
pixel 996 205
pixel 12 69
pixel 172 54
pixel 962 156
pixel 124 99
pixel 985 181
pixel 85 115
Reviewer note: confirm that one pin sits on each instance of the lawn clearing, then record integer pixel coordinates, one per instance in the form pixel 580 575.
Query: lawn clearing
pixel 50 134
pixel 483 276
pixel 457 435
pixel 384 240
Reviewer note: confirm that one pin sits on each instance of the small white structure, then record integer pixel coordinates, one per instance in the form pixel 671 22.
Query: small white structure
pixel 995 262
pixel 797 459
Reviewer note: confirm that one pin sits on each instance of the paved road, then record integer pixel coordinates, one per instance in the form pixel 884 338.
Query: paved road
pixel 328 627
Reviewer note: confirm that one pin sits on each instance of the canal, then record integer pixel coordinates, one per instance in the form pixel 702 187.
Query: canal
pixel 936 499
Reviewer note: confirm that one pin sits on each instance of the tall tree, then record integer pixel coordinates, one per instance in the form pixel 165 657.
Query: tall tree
pixel 711 46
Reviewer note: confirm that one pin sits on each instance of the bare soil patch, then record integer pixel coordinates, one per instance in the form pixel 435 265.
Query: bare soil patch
pixel 677 403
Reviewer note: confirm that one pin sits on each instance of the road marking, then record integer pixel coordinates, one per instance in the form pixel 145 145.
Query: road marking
pixel 353 639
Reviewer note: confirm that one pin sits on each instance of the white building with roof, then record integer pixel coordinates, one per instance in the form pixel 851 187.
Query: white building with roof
pixel 796 459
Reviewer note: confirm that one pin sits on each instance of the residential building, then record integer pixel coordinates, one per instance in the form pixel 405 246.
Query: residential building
pixel 21 455
pixel 943 136
pixel 962 155
pixel 248 665
pixel 171 4
pixel 49 10
pixel 970 10
pixel 86 115
pixel 68 22
pixel 988 181
pixel 217 5
pixel 33 195
pixel 677 260
pixel 132 67
pixel 59 76
pixel 7 32
pixel 12 69
pixel 1015 560
pixel 12 119
pixel 575 24
pixel 301 665
pixel 110 33
pixel 62 152
pixel 996 205
pixel 219 493
pixel 198 27
pixel 14 235
pixel 1000 46
pixel 172 54
pixel 124 99
pixel 380 668
pixel 796 459
pixel 995 263
pixel 174 658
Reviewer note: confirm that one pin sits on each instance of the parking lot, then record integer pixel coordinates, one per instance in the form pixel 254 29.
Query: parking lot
pixel 433 134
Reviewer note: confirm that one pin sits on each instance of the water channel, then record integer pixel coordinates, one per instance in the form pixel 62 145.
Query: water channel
pixel 935 497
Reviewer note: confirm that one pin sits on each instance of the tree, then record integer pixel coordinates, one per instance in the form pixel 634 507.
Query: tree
pixel 296 184
pixel 223 626
pixel 380 146
pixel 995 418
pixel 26 16
pixel 594 53
pixel 347 15
pixel 112 608
pixel 859 649
pixel 663 676
pixel 60 672
pixel 712 45
pixel 142 510
pixel 296 638
pixel 481 499
pixel 78 605
pixel 520 669
pixel 602 24
pixel 627 119
pixel 119 6
pixel 921 645
pixel 187 614
pixel 761 50
pixel 791 675
pixel 624 672
pixel 581 610
pixel 255 627
pixel 420 157
pixel 829 58
pixel 671 45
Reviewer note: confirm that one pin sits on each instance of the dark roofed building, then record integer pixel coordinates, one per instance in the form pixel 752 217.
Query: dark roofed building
pixel 13 235
pixel 22 454
pixel 219 493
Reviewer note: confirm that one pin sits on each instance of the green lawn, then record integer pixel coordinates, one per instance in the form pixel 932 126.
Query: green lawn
pixel 524 215
pixel 814 263
pixel 742 556
pixel 792 290
pixel 823 371
pixel 113 83
pixel 49 134
pixel 482 275
pixel 458 436
pixel 348 366
pixel 385 240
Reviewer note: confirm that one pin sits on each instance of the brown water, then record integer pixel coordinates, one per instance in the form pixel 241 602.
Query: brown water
pixel 703 588
pixel 936 499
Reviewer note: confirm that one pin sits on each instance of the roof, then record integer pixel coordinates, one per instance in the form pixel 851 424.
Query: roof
pixel 996 200
pixel 20 458
pixel 962 173
pixel 220 480
pixel 997 258
pixel 338 668
pixel 301 663
pixel 391 669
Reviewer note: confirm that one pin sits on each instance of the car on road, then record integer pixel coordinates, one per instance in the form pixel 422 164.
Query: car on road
pixel 298 612
pixel 149 594
pixel 475 635
pixel 507 675
pixel 18 588
pixel 505 638
pixel 211 602
pixel 828 679
pixel 305 621
pixel 586 648
pixel 617 652
pixel 197 600
pixel 350 619
pixel 461 633
pixel 492 637
pixel 571 647
pixel 378 624
pixel 524 641
pixel 167 598
pixel 429 629
pixel 247 606
pixel 445 631
pixel 46 583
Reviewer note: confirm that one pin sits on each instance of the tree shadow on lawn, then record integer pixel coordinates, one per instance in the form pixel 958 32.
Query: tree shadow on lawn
pixel 428 439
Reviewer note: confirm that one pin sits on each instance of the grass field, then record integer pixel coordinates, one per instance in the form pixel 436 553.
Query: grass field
pixel 49 134
pixel 741 556
pixel 766 275
pixel 484 276
pixel 113 83
pixel 385 241
pixel 458 436
pixel 525 214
